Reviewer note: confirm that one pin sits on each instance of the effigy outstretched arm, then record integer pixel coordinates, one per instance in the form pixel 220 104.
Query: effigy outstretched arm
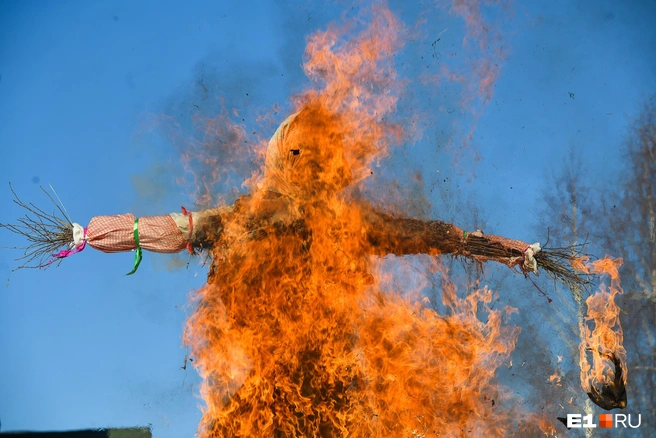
pixel 388 234
pixel 403 236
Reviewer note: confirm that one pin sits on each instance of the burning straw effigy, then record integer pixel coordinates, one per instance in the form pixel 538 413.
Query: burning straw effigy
pixel 294 334
pixel 279 212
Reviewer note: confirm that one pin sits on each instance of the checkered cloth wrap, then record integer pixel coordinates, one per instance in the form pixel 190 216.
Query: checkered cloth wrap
pixel 116 233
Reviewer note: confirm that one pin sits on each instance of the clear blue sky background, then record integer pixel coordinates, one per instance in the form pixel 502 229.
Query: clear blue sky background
pixel 80 83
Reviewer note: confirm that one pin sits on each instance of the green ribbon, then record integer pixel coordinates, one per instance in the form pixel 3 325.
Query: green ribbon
pixel 139 254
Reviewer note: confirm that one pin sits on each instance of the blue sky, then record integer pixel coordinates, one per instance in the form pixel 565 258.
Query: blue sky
pixel 83 345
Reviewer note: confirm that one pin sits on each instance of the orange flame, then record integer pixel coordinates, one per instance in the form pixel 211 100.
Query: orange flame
pixel 602 355
pixel 295 334
pixel 294 344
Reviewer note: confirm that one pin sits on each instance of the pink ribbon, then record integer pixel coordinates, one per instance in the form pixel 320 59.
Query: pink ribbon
pixel 66 252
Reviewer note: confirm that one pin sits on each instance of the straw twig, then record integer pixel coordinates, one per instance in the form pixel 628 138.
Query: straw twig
pixel 558 263
pixel 45 232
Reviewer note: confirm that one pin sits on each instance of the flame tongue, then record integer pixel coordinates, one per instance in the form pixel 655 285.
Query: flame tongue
pixel 603 358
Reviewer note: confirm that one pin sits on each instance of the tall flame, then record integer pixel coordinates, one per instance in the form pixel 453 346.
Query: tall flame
pixel 295 333
pixel 602 355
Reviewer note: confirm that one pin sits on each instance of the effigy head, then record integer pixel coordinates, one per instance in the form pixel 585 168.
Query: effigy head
pixel 305 156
